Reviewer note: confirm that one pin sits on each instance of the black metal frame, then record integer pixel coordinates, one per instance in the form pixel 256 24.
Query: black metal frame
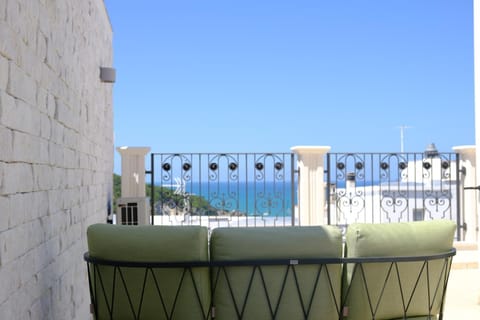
pixel 219 268
pixel 96 283
pixel 392 263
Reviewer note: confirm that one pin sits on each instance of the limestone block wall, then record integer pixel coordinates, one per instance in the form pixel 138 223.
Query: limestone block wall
pixel 56 152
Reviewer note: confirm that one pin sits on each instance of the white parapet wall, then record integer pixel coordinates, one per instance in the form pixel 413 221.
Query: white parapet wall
pixel 56 152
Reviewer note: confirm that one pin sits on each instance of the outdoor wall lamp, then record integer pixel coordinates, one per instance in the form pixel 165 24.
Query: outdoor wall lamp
pixel 107 74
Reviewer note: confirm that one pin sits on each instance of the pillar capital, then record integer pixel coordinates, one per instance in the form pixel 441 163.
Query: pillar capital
pixel 304 150
pixel 468 151
pixel 133 151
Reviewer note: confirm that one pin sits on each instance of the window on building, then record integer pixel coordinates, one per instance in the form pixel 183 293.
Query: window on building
pixel 418 214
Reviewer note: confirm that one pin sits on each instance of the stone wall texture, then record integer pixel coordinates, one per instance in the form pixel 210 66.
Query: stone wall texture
pixel 56 152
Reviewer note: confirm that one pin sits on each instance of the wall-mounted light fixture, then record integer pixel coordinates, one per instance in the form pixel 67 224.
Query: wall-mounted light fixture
pixel 107 74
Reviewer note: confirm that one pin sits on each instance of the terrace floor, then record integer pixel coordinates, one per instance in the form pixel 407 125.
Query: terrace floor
pixel 463 292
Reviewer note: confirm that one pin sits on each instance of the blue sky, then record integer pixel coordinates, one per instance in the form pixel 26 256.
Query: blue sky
pixel 263 76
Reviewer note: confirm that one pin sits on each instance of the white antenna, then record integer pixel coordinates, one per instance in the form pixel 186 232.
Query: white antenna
pixel 402 136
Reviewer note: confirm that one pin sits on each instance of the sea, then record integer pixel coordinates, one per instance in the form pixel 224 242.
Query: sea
pixel 264 198
pixel 253 198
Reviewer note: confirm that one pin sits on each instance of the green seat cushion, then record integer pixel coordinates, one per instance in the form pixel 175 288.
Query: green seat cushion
pixel 397 290
pixel 280 292
pixel 149 244
pixel 400 239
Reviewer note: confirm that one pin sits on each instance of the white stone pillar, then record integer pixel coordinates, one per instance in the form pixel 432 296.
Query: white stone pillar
pixel 311 188
pixel 133 171
pixel 469 197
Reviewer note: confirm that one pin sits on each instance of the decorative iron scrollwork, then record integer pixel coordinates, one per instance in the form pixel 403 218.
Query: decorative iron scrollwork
pixel 268 203
pixel 396 188
pixel 349 206
pixel 170 163
pixel 437 203
pixel 259 166
pixel 354 163
pixel 223 201
pixel 218 164
pixel 252 185
pixel 445 165
pixel 263 165
pixel 394 203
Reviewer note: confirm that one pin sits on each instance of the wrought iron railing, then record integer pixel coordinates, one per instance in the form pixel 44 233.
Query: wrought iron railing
pixel 220 189
pixel 260 189
pixel 393 187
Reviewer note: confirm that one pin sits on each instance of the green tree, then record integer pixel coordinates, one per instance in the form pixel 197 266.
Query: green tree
pixel 117 186
pixel 199 205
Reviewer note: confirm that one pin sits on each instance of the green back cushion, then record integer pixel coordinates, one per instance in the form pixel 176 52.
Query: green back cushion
pixel 404 289
pixel 239 292
pixel 150 244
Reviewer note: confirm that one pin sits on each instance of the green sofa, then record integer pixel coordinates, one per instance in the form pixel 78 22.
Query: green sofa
pixel 377 271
